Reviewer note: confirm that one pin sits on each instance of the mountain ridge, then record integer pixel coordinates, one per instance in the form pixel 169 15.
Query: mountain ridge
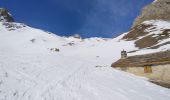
pixel 38 65
pixel 158 10
pixel 151 29
pixel 5 15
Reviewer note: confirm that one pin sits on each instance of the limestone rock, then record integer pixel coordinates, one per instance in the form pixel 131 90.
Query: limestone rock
pixel 158 10
pixel 5 16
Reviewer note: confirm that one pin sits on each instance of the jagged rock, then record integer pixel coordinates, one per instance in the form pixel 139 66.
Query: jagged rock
pixel 55 49
pixel 77 36
pixel 158 10
pixel 5 15
pixel 152 26
pixel 13 26
pixel 148 34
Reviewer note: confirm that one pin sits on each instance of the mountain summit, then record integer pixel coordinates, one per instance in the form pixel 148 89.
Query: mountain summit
pixel 5 15
pixel 158 10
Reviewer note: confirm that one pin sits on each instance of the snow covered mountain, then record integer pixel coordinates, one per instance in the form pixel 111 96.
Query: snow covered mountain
pixel 39 65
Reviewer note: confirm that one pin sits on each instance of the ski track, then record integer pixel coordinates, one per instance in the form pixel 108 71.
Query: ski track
pixel 80 71
pixel 40 87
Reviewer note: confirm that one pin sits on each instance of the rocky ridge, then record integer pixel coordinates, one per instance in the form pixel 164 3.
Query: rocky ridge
pixel 5 16
pixel 158 10
pixel 152 26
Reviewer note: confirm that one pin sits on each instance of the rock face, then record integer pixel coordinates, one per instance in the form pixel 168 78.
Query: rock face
pixel 5 15
pixel 152 28
pixel 8 21
pixel 149 34
pixel 158 10
pixel 77 36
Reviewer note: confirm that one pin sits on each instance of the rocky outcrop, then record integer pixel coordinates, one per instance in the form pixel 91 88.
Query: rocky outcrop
pixel 152 26
pixel 8 21
pixel 149 34
pixel 77 36
pixel 5 16
pixel 158 10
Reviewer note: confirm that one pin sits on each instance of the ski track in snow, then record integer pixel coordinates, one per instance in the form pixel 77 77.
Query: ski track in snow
pixel 80 71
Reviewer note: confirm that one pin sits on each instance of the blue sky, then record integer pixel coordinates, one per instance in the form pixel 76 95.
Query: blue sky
pixel 89 18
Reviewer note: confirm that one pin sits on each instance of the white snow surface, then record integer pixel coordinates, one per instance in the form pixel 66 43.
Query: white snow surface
pixel 81 70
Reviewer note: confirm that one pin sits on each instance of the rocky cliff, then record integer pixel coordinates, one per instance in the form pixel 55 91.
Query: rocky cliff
pixel 5 15
pixel 152 28
pixel 158 10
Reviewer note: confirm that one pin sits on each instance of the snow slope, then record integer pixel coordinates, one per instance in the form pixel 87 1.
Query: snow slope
pixel 30 70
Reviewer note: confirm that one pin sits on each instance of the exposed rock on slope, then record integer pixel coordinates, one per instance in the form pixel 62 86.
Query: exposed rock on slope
pixel 5 15
pixel 8 21
pixel 152 28
pixel 150 34
pixel 159 9
pixel 77 36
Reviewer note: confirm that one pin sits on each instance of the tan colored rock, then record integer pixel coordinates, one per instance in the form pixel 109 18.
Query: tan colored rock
pixel 5 15
pixel 158 10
